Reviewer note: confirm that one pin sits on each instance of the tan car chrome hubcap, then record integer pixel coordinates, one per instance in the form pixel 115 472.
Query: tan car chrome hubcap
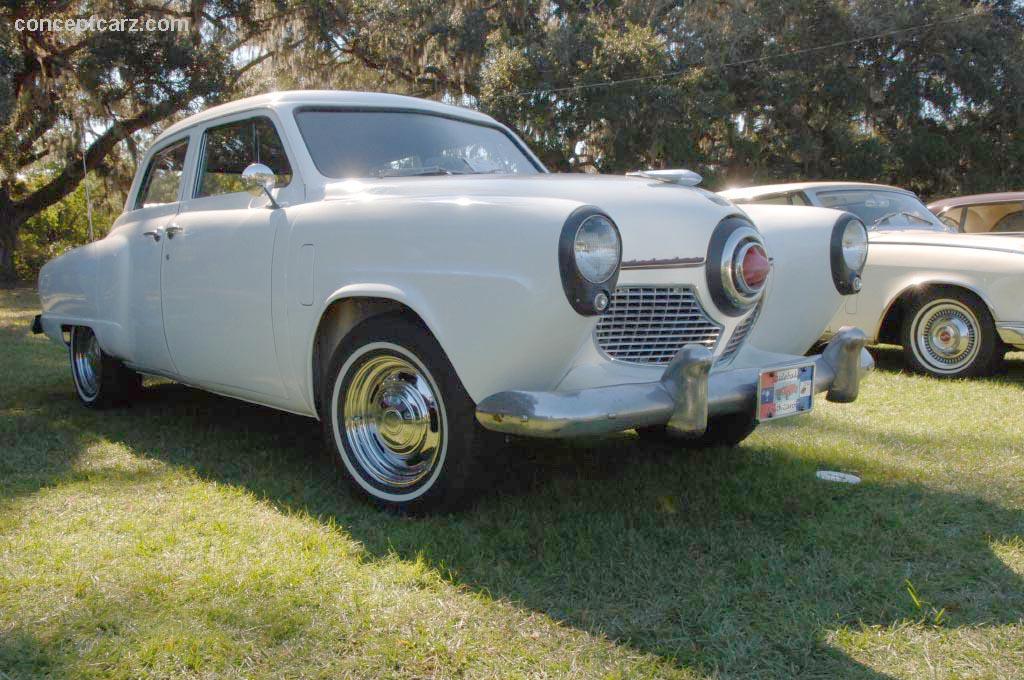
pixel 946 336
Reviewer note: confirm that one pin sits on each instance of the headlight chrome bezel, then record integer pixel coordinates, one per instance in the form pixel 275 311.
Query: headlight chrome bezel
pixel 732 238
pixel 846 277
pixel 584 294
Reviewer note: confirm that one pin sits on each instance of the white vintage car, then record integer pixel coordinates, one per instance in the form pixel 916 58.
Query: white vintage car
pixel 953 301
pixel 410 274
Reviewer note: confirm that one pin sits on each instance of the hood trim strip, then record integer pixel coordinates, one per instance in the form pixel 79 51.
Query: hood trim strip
pixel 667 263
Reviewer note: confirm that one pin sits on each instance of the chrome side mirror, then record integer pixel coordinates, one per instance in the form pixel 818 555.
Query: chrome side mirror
pixel 258 179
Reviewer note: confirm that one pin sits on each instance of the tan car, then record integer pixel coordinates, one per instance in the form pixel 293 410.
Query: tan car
pixel 952 300
pixel 982 213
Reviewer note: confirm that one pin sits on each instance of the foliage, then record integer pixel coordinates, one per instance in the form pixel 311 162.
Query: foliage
pixel 79 101
pixel 65 224
pixel 928 95
pixel 938 109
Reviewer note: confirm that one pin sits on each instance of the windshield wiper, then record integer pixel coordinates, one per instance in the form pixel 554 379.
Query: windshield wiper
pixel 897 213
pixel 418 172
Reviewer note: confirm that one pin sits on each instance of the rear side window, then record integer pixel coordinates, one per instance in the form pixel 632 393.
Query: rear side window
pixel 1010 223
pixel 163 176
pixel 230 149
pixel 783 199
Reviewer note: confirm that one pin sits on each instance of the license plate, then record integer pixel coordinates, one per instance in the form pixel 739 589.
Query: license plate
pixel 785 392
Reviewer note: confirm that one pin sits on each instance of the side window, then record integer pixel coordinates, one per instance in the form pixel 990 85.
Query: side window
pixel 163 176
pixel 1010 223
pixel 951 218
pixel 230 149
pixel 799 199
pixel 781 199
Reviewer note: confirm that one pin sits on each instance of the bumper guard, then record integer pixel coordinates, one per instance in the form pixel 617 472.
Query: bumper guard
pixel 683 399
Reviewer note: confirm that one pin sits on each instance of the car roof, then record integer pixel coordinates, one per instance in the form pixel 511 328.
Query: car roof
pixel 293 98
pixel 770 189
pixel 976 199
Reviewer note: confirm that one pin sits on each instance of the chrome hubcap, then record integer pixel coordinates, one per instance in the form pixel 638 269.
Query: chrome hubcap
pixel 87 359
pixel 946 335
pixel 392 420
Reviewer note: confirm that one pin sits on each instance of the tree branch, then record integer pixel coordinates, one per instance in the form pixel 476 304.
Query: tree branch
pixel 65 182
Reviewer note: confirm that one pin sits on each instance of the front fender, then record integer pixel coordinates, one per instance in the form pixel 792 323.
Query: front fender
pixel 895 269
pixel 802 297
pixel 483 277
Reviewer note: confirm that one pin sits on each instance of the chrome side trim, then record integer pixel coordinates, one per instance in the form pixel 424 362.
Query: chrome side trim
pixel 945 245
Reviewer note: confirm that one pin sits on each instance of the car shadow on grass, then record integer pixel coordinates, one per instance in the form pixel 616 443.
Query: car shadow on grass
pixel 736 562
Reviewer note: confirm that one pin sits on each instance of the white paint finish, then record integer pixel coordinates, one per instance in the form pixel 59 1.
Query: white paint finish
pixel 144 317
pixel 245 287
pixel 217 294
pixel 305 268
pixel 990 265
pixel 801 295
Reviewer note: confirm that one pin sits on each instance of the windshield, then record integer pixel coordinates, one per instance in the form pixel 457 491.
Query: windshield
pixel 364 144
pixel 883 209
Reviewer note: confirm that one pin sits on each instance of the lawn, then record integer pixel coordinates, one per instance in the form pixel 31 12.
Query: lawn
pixel 193 535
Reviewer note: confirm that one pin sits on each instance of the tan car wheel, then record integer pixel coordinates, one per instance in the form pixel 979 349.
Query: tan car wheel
pixel 949 333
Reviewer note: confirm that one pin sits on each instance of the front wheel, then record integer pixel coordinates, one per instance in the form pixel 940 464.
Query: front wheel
pixel 100 379
pixel 949 333
pixel 722 431
pixel 399 422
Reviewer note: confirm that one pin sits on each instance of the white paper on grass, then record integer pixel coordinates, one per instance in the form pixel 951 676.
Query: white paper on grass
pixel 841 477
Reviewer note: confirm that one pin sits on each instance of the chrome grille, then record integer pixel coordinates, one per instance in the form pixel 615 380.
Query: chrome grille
pixel 738 336
pixel 649 324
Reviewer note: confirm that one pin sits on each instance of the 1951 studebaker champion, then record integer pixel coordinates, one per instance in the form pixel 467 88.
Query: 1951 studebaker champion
pixel 410 274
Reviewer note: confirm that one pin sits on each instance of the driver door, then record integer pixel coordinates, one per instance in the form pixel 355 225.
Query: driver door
pixel 218 261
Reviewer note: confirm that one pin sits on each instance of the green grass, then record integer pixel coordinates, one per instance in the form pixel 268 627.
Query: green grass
pixel 192 535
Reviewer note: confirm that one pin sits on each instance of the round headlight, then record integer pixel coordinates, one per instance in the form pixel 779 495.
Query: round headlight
pixel 855 245
pixel 597 248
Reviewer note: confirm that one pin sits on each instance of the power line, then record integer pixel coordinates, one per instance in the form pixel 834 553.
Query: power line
pixel 745 62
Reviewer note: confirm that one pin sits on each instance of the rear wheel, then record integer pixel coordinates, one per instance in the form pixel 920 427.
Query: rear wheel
pixel 399 423
pixel 100 379
pixel 722 431
pixel 949 333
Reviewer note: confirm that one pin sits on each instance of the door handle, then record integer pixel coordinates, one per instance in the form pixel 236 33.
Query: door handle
pixel 172 230
pixel 155 234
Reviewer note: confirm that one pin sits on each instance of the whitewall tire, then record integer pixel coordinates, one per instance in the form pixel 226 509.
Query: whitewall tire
pixel 949 333
pixel 398 421
pixel 100 379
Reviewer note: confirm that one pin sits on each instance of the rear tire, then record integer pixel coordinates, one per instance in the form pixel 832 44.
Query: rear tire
pixel 723 431
pixel 398 422
pixel 101 381
pixel 949 333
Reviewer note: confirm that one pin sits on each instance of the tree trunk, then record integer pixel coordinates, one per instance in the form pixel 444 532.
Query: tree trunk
pixel 10 224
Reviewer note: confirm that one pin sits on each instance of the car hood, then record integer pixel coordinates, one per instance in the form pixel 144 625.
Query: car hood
pixel 657 220
pixel 1001 242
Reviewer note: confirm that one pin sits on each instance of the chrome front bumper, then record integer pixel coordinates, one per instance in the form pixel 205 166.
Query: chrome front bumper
pixel 1011 333
pixel 685 397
